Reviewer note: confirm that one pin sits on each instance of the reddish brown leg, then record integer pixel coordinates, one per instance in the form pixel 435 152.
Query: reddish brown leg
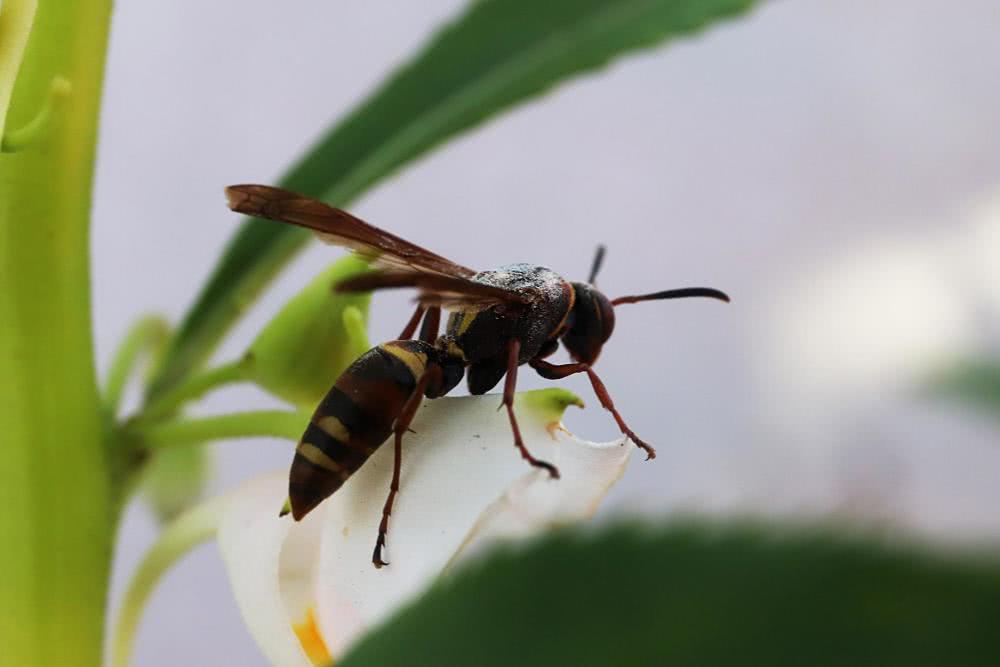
pixel 556 371
pixel 411 326
pixel 605 398
pixel 432 322
pixel 513 350
pixel 559 371
pixel 401 426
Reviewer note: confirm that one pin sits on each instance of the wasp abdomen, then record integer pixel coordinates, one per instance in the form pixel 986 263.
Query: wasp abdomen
pixel 354 419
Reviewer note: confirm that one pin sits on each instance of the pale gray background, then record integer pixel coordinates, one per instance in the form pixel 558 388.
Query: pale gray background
pixel 733 160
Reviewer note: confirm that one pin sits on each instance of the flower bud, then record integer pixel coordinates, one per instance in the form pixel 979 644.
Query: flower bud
pixel 315 336
pixel 175 479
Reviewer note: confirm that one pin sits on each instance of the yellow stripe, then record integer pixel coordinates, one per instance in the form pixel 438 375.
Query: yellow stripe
pixel 315 455
pixel 415 361
pixel 569 309
pixel 334 428
pixel 455 351
pixel 467 320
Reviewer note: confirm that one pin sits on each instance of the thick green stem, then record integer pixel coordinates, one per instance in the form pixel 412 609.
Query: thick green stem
pixel 58 512
pixel 260 423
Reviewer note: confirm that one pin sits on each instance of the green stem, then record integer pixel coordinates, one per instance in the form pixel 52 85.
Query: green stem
pixel 144 338
pixel 259 423
pixel 194 388
pixel 56 488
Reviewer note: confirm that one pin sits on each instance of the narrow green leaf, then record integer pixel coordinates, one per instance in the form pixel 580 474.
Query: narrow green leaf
pixel 498 54
pixel 697 595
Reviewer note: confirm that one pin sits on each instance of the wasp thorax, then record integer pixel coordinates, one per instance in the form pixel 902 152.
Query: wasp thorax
pixel 593 321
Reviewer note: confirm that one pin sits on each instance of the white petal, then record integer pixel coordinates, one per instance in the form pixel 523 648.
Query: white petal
pixel 271 563
pixel 462 478
pixel 588 470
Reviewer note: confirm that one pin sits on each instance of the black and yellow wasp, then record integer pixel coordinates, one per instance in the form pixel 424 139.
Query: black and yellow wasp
pixel 500 319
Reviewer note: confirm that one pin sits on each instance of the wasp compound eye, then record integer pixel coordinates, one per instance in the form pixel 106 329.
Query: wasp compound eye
pixel 593 324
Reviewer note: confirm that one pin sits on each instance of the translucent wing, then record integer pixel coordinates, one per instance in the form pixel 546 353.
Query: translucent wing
pixel 450 292
pixel 341 228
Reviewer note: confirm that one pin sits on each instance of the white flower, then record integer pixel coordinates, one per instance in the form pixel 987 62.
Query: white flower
pixel 307 590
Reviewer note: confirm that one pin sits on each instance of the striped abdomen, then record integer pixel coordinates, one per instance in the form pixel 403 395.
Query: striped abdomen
pixel 354 419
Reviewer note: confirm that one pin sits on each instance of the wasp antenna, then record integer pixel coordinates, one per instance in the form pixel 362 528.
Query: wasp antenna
pixel 674 294
pixel 596 266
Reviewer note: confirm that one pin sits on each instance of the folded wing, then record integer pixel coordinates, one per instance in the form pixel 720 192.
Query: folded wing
pixel 338 227
pixel 440 281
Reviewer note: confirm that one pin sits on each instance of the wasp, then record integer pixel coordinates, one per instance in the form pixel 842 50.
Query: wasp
pixel 499 320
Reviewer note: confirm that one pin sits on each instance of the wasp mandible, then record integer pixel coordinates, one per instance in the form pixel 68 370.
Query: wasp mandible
pixel 499 320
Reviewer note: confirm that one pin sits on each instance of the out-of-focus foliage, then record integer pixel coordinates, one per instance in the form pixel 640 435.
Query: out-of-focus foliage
pixel 497 54
pixel 976 383
pixel 699 595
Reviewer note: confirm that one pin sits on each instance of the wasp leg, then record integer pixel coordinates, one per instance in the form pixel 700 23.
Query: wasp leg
pixel 548 349
pixel 559 371
pixel 432 322
pixel 429 331
pixel 401 426
pixel 513 350
pixel 556 371
pixel 411 326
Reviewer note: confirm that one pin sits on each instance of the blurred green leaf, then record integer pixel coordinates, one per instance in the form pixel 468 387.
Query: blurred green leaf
pixel 976 383
pixel 499 53
pixel 699 595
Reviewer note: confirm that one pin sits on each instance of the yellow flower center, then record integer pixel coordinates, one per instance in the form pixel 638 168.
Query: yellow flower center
pixel 312 641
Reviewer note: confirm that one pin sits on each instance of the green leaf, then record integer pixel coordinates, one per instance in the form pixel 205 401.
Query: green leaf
pixel 498 54
pixel 976 383
pixel 697 595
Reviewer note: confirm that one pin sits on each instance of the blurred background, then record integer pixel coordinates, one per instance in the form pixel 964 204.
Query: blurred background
pixel 833 165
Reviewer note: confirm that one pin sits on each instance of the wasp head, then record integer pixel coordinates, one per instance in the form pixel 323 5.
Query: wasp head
pixel 591 323
pixel 592 320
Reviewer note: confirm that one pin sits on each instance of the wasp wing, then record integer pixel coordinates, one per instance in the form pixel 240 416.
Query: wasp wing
pixel 341 228
pixel 450 292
